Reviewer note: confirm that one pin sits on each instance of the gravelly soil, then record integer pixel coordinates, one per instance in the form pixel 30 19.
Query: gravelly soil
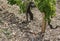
pixel 12 28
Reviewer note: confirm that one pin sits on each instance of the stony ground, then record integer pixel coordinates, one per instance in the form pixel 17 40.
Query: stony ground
pixel 12 28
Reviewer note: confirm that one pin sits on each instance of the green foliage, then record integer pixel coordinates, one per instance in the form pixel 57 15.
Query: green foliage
pixel 20 3
pixel 46 6
pixel 11 2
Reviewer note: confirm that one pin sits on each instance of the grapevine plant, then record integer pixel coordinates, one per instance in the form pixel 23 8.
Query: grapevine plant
pixel 48 7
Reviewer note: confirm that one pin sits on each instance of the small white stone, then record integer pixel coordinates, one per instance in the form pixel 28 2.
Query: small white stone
pixel 58 36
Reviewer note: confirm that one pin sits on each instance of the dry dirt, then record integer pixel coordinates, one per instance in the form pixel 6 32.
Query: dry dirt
pixel 12 28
